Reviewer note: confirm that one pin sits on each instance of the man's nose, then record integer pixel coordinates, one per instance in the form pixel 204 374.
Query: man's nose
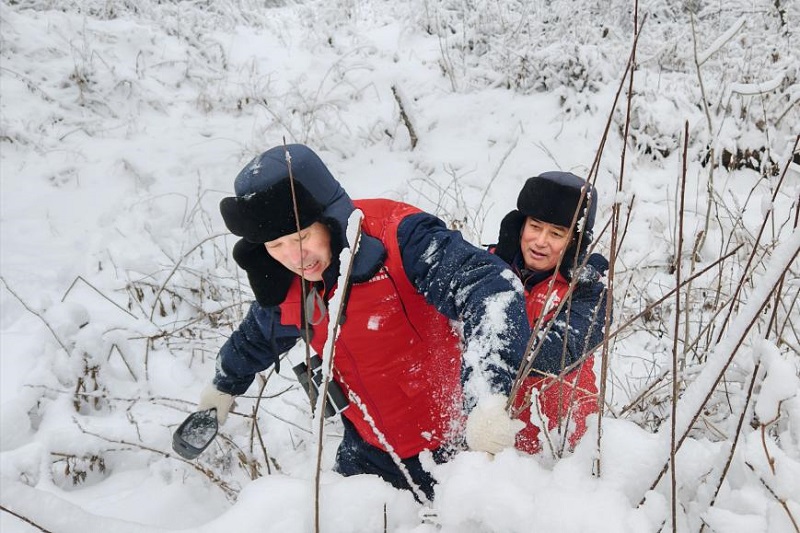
pixel 298 254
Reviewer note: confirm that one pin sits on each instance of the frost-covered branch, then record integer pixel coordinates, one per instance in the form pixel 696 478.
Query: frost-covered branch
pixel 720 41
pixel 700 390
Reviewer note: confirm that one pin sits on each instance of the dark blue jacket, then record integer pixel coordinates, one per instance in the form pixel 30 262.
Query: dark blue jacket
pixel 580 324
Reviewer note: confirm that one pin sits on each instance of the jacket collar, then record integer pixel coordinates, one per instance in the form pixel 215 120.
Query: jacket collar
pixel 369 259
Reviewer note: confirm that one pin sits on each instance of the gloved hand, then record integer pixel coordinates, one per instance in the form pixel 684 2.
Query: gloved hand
pixel 213 398
pixel 490 428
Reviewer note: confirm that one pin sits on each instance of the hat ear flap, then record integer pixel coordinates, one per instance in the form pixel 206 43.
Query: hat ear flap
pixel 508 240
pixel 269 279
pixel 574 255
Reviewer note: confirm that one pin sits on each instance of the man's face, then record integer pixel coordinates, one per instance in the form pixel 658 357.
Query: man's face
pixel 307 253
pixel 542 243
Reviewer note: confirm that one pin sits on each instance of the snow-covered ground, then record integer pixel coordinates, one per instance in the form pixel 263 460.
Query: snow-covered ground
pixel 124 123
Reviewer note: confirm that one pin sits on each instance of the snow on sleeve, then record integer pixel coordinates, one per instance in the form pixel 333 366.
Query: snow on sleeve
pixel 489 340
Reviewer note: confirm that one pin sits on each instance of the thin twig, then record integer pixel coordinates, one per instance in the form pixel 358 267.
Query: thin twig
pixel 37 315
pixel 676 332
pixel 711 156
pixel 613 247
pixel 530 353
pixel 305 321
pixel 306 326
pixel 496 173
pixel 764 425
pixel 175 268
pixel 639 315
pixel 255 430
pixel 24 519
pixel 406 120
pixel 98 291
pixel 781 501
pixel 122 356
pixel 229 491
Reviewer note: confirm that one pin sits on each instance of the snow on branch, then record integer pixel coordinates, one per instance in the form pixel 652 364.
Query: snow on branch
pixel 714 47
pixel 698 392
pixel 749 89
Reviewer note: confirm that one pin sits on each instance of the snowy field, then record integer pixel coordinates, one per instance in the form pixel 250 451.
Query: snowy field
pixel 124 123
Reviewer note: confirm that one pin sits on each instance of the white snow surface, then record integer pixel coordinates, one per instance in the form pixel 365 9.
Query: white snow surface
pixel 123 124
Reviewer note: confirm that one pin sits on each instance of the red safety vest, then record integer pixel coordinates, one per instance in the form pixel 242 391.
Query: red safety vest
pixel 396 357
pixel 570 400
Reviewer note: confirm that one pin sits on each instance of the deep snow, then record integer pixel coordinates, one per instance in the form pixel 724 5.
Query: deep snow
pixel 123 125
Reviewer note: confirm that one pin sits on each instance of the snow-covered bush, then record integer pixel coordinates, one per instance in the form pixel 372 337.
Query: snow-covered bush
pixel 123 123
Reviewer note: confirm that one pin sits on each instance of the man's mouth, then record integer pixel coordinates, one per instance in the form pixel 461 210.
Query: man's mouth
pixel 309 267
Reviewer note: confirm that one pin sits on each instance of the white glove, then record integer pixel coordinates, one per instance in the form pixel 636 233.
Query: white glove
pixel 489 428
pixel 213 398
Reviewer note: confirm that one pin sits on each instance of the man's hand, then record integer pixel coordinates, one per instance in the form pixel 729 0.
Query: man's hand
pixel 211 398
pixel 489 428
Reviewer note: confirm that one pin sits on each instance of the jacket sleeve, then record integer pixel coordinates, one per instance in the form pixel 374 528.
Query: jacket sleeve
pixel 579 326
pixel 470 285
pixel 256 345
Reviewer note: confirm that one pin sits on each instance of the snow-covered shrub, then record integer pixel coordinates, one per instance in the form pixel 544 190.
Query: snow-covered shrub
pixel 578 47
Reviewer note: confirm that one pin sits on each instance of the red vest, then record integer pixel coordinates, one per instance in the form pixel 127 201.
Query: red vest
pixel 572 399
pixel 398 356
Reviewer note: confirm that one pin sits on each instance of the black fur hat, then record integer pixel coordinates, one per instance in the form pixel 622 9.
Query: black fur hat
pixel 553 197
pixel 266 215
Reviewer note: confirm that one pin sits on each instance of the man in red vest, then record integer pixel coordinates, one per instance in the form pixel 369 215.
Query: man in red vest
pixel 560 389
pixel 433 327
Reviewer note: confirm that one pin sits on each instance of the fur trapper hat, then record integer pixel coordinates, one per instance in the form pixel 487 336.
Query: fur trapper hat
pixel 267 215
pixel 553 197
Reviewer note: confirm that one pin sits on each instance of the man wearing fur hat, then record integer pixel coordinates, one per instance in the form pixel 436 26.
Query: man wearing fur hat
pixel 548 251
pixel 406 370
